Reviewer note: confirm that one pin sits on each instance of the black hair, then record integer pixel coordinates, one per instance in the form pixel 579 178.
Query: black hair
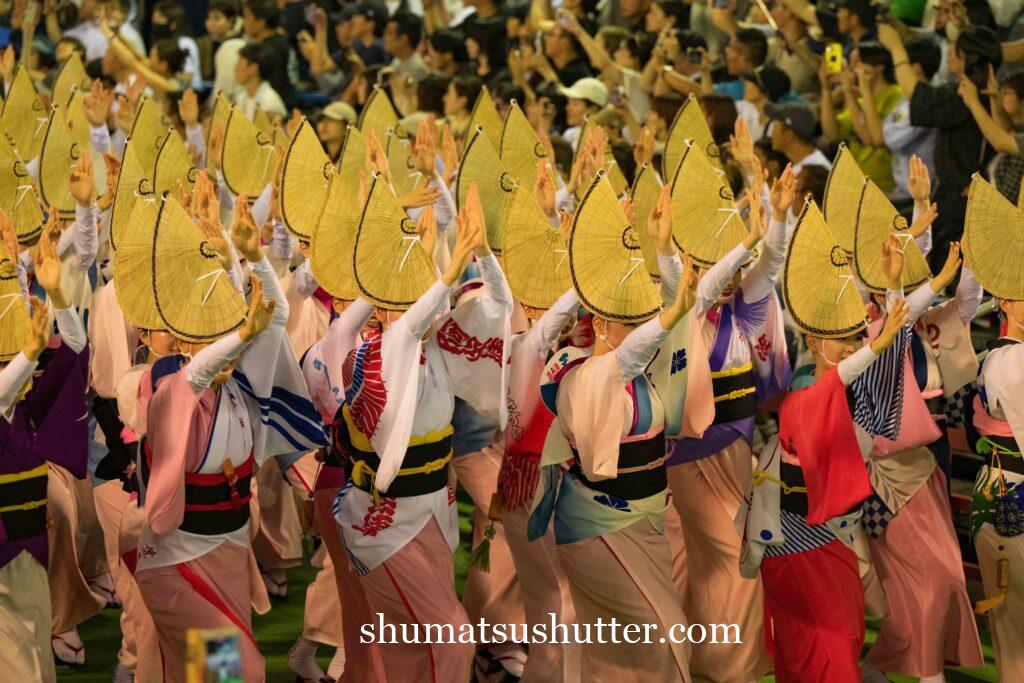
pixel 927 53
pixel 177 19
pixel 754 44
pixel 871 52
pixel 168 51
pixel 448 40
pixel 563 154
pixel 979 13
pixel 720 111
pixel 506 91
pixel 492 37
pixel 467 86
pixel 676 9
pixel 624 158
pixel 408 25
pixel 265 10
pixel 430 94
pixel 225 7
pixel 979 46
pixel 866 13
pixel 813 177
pixel 254 54
pixel 691 40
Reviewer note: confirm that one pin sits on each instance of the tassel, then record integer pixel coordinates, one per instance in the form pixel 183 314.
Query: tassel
pixel 229 473
pixel 1002 583
pixel 481 555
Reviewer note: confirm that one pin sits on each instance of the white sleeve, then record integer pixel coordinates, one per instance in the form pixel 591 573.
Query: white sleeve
pixel 968 295
pixel 261 207
pixel 851 367
pixel 86 239
pixel 544 333
pixel 305 283
pixel 765 272
pixel 70 327
pixel 417 320
pixel 209 362
pixel 637 351
pixel 494 280
pixel 715 280
pixel 281 242
pixel 99 136
pixel 918 301
pixel 444 207
pixel 924 240
pixel 272 290
pixel 564 201
pixel 12 378
pixel 22 272
pixel 671 268
pixel 194 137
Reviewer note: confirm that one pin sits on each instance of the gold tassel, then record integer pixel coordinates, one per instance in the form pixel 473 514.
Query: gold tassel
pixel 1002 583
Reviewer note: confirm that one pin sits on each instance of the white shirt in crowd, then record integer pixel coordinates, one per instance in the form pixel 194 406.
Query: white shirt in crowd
pixel 266 98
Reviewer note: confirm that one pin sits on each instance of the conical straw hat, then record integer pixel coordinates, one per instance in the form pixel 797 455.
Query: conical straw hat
pixel 18 197
pixel 610 167
pixel 876 219
pixel 378 115
pixel 249 160
pixel 843 190
pixel 71 76
pixel 404 175
pixel 994 240
pixel 706 223
pixel 133 266
pixel 194 297
pixel 540 13
pixel 485 115
pixel 332 250
pixel 132 184
pixel 173 163
pixel 221 109
pixel 75 113
pixel 817 286
pixel 689 124
pixel 262 121
pixel 606 263
pixel 535 260
pixel 149 130
pixel 306 178
pixel 392 269
pixel 56 161
pixel 520 148
pixel 481 165
pixel 353 157
pixel 1020 197
pixel 14 319
pixel 644 194
pixel 23 115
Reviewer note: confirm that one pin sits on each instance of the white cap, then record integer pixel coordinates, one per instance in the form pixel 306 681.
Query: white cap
pixel 590 89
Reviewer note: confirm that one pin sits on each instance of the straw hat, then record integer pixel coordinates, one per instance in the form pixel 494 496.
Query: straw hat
pixel 352 158
pixel 535 260
pixel 378 114
pixel 481 165
pixel 14 318
pixel 173 163
pixel 392 269
pixel 133 266
pixel 56 160
pixel 611 167
pixel 644 194
pixel 876 219
pixel 332 251
pixel 689 124
pixel 194 297
pixel 606 263
pixel 306 178
pixel 248 160
pixel 18 197
pixel 706 223
pixel 71 76
pixel 843 191
pixel 149 130
pixel 404 175
pixel 74 111
pixel 262 121
pixel 817 285
pixel 221 109
pixel 132 184
pixel 23 115
pixel 994 240
pixel 520 148
pixel 485 115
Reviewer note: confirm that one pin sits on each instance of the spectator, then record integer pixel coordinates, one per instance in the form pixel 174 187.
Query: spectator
pixel 760 88
pixel 1003 128
pixel 679 62
pixel 446 53
pixel 224 60
pixel 117 16
pixel 563 63
pixel 811 181
pixel 666 14
pixel 475 10
pixel 401 39
pixel 721 115
pixel 430 94
pixel 903 139
pixel 746 51
pixel 487 46
pixel 960 149
pixel 866 101
pixel 259 22
pixel 792 133
pixel 255 91
pixel 790 51
pixel 162 69
pixel 221 25
pixel 169 22
pixel 332 126
pixel 458 103
pixel 586 97
pixel 88 31
pixel 633 14
pixel 366 24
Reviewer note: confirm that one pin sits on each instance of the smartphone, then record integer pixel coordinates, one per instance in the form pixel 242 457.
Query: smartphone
pixel 834 57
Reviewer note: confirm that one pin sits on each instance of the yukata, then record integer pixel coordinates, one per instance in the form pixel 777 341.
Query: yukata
pixel 201 451
pixel 997 507
pixel 397 511
pixel 710 469
pixel 44 426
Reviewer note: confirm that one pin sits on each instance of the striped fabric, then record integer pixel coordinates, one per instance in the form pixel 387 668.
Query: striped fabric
pixel 878 392
pixel 799 537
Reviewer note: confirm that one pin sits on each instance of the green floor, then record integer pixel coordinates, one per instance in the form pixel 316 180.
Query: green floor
pixel 277 630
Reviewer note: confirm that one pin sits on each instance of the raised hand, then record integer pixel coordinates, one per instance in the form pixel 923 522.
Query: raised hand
pixel 188 108
pixel 135 88
pixel 39 330
pixel 467 239
pixel 449 153
pixel 757 226
pixel 544 190
pixel 659 223
pixel 216 146
pixel 643 153
pixel 97 104
pixel 564 225
pixel 892 261
pixel 783 193
pixel 898 315
pixel 686 296
pixel 426 227
pixel 424 151
pixel 475 212
pixel 376 159
pixel 627 208
pixel 919 183
pixel 80 182
pixel 125 116
pixel 9 239
pixel 47 265
pixel 244 233
pixel 214 235
pixel 924 219
pixel 260 313
pixel 422 195
pixel 949 269
pixel 742 145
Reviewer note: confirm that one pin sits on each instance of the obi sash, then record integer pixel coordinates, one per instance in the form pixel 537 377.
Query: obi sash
pixel 424 468
pixel 23 503
pixel 641 470
pixel 735 394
